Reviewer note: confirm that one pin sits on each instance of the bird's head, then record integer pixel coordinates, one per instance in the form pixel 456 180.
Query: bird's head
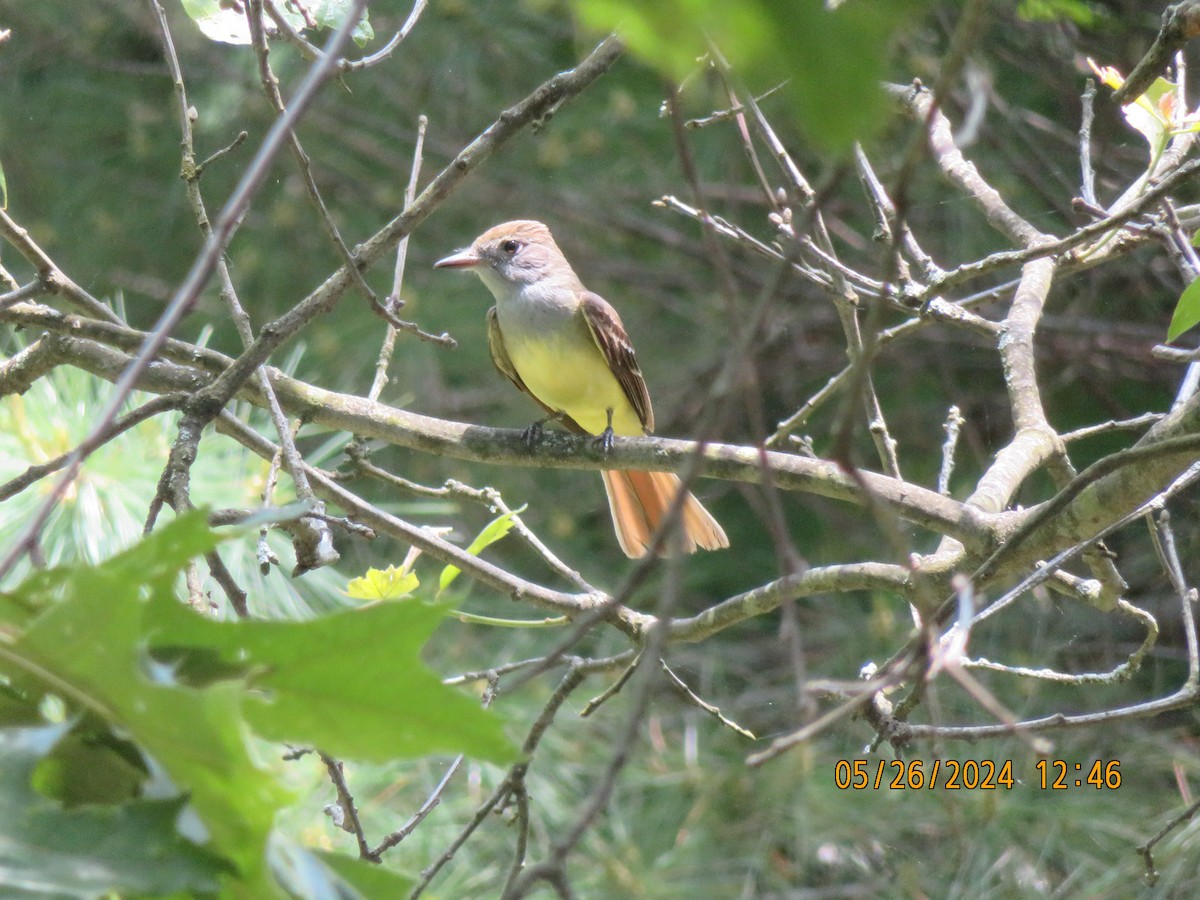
pixel 512 255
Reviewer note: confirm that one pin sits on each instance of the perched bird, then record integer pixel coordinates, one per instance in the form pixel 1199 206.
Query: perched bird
pixel 566 347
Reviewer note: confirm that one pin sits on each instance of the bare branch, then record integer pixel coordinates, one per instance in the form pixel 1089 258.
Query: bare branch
pixel 223 229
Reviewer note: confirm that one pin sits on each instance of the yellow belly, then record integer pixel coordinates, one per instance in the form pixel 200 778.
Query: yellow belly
pixel 577 383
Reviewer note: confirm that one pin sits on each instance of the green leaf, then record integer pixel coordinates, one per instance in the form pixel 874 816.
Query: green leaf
pixel 1076 11
pixel 16 708
pixel 1147 117
pixel 308 873
pixel 370 880
pixel 226 22
pixel 91 765
pixel 51 851
pixel 1187 311
pixel 17 611
pixel 391 583
pixel 832 60
pixel 3 189
pixel 89 648
pixel 492 532
pixel 351 683
pixel 331 13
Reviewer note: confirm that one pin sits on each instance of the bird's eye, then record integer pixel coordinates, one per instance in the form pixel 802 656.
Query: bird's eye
pixel 510 247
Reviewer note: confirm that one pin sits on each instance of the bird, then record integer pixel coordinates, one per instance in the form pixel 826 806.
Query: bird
pixel 566 348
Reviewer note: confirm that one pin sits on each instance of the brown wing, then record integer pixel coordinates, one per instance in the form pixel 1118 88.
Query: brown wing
pixel 508 370
pixel 610 337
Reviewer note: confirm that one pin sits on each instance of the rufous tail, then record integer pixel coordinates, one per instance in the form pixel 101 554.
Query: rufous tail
pixel 639 501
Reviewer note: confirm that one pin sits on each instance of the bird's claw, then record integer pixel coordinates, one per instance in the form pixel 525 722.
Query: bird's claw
pixel 605 441
pixel 532 436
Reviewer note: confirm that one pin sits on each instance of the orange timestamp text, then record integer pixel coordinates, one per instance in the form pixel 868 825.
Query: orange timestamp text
pixel 970 774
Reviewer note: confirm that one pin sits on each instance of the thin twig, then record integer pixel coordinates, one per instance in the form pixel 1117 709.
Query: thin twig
pixel 223 230
pixel 1116 675
pixel 117 427
pixel 307 49
pixel 724 115
pixel 953 426
pixel 311 537
pixel 693 698
pixel 389 338
pixel 1146 850
pixel 348 65
pixel 220 154
pixel 488 496
pixel 254 17
pixel 51 276
pixel 345 804
pixel 612 690
pixel 1087 173
pixel 551 869
pixel 435 796
pixel 1132 424
pixel 1180 23
pixel 31 291
pixel 570 681
pixel 1164 542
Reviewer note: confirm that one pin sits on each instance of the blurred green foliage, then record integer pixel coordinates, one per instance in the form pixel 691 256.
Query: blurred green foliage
pixel 181 693
pixel 133 845
pixel 1080 12
pixel 104 510
pixel 831 63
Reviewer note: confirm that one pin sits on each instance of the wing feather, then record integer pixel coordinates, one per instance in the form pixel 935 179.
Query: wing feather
pixel 609 335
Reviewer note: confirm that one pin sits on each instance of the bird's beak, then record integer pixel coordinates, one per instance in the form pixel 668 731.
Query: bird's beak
pixel 463 259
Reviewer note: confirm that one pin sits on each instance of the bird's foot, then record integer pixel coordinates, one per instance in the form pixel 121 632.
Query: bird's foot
pixel 605 441
pixel 532 436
